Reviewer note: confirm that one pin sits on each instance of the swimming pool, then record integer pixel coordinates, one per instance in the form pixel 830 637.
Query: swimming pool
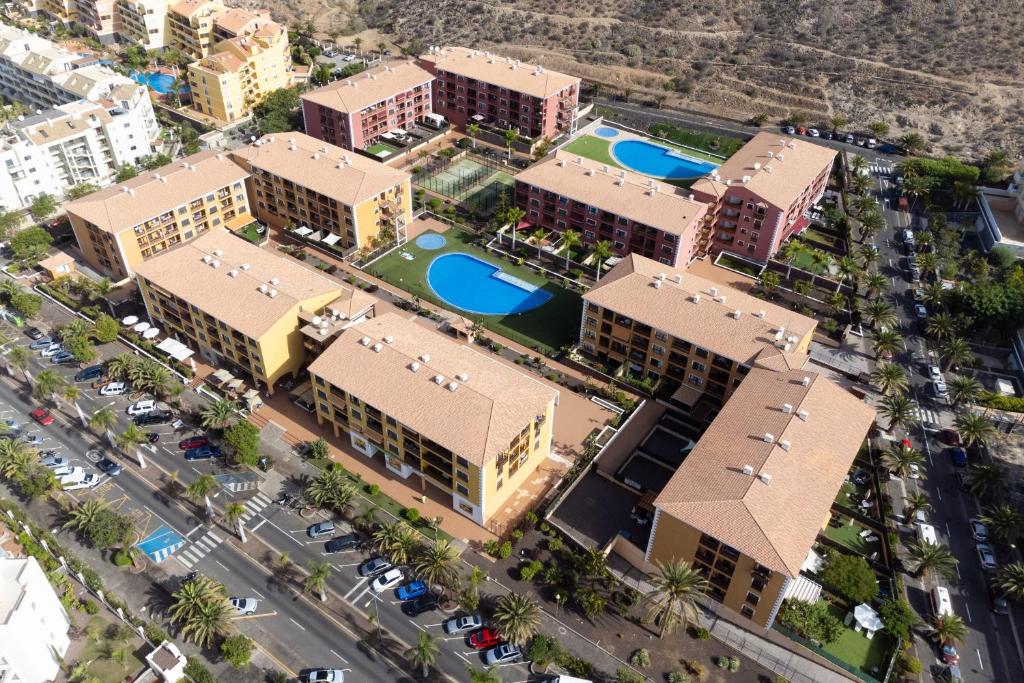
pixel 159 82
pixel 431 241
pixel 657 161
pixel 470 284
pixel 605 132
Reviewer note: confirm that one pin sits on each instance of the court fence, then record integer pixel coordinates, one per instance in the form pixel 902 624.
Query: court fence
pixel 441 176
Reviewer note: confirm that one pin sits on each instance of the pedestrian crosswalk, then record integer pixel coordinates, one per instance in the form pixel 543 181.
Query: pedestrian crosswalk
pixel 927 415
pixel 255 505
pixel 198 549
pixel 880 169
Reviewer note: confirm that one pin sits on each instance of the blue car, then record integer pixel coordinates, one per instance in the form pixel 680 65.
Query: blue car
pixel 202 453
pixel 959 457
pixel 411 590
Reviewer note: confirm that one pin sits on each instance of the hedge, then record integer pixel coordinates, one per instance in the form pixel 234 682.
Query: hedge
pixel 1011 404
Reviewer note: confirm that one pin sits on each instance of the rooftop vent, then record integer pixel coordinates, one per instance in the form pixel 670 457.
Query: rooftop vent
pixel 414 366
pixel 746 179
pixel 787 347
pixel 377 347
pixel 389 339
pixel 765 478
pixel 677 278
pixel 695 298
pixel 806 381
pixel 246 266
pixel 793 339
pixel 769 438
pixel 274 281
pixel 233 273
pixel 263 289
pixel 787 408
pixel 462 377
pixel 748 470
pixel 803 415
pixel 561 162
pixel 365 341
pixel 620 182
pixel 589 171
pixel 452 386
pixel 720 299
pixel 322 332
pixel 757 166
pixel 784 444
pixel 324 324
pixel 207 258
pixel 218 252
pixel 713 291
pixel 760 314
pixel 439 379
pixel 736 314
pixel 425 358
pixel 657 284
pixel 215 263
pixel 272 294
pixel 316 319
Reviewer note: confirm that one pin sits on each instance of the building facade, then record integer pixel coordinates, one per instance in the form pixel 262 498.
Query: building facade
pixel 144 22
pixel 353 113
pixel 633 214
pixel 126 224
pixel 33 623
pixel 350 200
pixel 761 195
pixel 190 26
pixel 474 86
pixel 469 425
pixel 101 18
pixel 240 306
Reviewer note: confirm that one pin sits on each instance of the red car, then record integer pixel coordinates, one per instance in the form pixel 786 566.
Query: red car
pixel 800 130
pixel 951 437
pixel 193 442
pixel 42 416
pixel 906 443
pixel 484 638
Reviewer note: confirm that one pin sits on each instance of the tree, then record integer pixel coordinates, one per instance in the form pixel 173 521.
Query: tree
pixel 103 419
pixel 672 599
pixel 974 428
pixel 1003 521
pixel 858 163
pixel 956 352
pixel 899 617
pixel 237 650
pixel 17 359
pixel 948 628
pixel 898 409
pixel 81 190
pixel 42 207
pixel 916 187
pixel 30 244
pixel 914 502
pixel 517 617
pixel 880 314
pixel 48 384
pixel 902 461
pixel 889 378
pixel 105 329
pixel 472 130
pixel 279 112
pixel 933 294
pixel 769 281
pixel 996 166
pixel 331 490
pixel 887 342
pixel 838 122
pixel 201 488
pixel 243 440
pixel 851 576
pixel 878 128
pixel 10 221
pixel 1011 580
pixel 811 620
pixel 923 557
pixel 941 326
pixel 488 675
pixel 16 459
pixel 216 415
pixel 913 142
pixel 81 349
pixel 424 653
pixel 396 540
pixel 438 564
pixel 131 438
pixel 125 172
pixel 602 251
pixel 511 137
pixel 987 480
pixel 109 529
pixel 84 515
pixel 570 240
pixel 316 582
pixel 868 255
pixel 203 609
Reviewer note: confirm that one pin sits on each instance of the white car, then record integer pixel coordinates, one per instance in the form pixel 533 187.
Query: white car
pixel 813 132
pixel 63 469
pixel 69 475
pixel 32 439
pixel 934 373
pixel 979 532
pixel 506 653
pixel 51 350
pixel 245 605
pixel 940 388
pixel 86 482
pixel 469 622
pixel 388 580
pixel 986 557
pixel 54 462
pixel 114 389
pixel 348 58
pixel 323 676
pixel 143 407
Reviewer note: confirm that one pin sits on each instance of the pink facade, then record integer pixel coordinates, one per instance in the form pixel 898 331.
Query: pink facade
pixel 360 129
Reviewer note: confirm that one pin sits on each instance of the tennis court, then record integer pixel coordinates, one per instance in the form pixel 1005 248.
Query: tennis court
pixel 469 182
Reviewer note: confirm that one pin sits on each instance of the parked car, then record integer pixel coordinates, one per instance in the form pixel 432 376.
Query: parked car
pixel 33 440
pixel 979 532
pixel 506 653
pixel 790 130
pixel 62 358
pixel 202 453
pixel 813 132
pixel 951 674
pixel 997 601
pixel 193 442
pixel 54 462
pixel 940 389
pixel 87 482
pixel 157 417
pixel 42 343
pixel 421 605
pixel 346 542
pixel 245 605
pixel 871 143
pixel 142 407
pixel 320 529
pixel 90 373
pixel 921 311
pixel 33 333
pixel 959 457
pixel 114 389
pixel 951 437
pixel 934 373
pixel 849 138
pixel 42 416
pixel 411 590
pixel 467 622
pixel 800 130
pixel 986 557
pixel 108 467
pixel 949 654
pixel 484 638
pixel 387 580
pixel 373 566
pixel 907 236
pixel 348 58
pixel 51 349
pixel 322 676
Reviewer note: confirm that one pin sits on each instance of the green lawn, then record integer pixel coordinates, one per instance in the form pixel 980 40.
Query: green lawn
pixel 592 147
pixel 848 536
pixel 548 327
pixel 735 264
pixel 805 261
pixel 717 146
pixel 870 656
pixel 378 147
pixel 249 233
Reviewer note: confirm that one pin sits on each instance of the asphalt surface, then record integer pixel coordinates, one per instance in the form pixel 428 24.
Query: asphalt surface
pixel 993 649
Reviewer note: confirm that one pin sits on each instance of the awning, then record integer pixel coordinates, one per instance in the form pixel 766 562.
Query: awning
pixel 175 349
pixel 316 236
pixel 302 231
pixel 150 333
pixel 141 327
pixel 803 589
pixel 332 239
pixel 130 320
pixel 436 118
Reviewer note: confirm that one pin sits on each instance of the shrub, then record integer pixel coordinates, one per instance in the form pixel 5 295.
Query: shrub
pixel 912 665
pixel 722 662
pixel 121 559
pixel 531 518
pixel 695 668
pixel 505 550
pixel 372 489
pixel 543 650
pixel 529 572
pixel 517 535
pixel 237 650
pixel 851 576
pixel 89 607
pixel 411 514
pixel 195 670
pixel 640 658
pixel 702 633
pixel 678 677
pixel 624 675
pixel 555 544
pixel 491 548
pixel 734 664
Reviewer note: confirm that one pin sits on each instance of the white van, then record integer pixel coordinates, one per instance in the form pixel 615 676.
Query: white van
pixel 566 679
pixel 942 604
pixel 926 532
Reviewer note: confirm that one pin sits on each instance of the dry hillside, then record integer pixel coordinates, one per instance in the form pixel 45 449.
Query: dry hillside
pixel 953 70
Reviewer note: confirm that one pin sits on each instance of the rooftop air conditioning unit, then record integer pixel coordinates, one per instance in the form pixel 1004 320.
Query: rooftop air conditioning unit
pixel 748 470
pixel 806 381
pixel 389 339
pixel 246 266
pixel 377 347
pixel 769 438
pixel 263 289
pixel 414 366
pixel 787 408
pixel 233 273
pixel 784 445
pixel 677 278
pixel 425 358
pixel 452 386
pixel 365 341
pixel 765 478
pixel 207 258
pixel 803 415
pixel 438 380
pixel 695 298
pixel 272 294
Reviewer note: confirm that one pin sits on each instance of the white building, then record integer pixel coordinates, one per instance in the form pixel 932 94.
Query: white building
pixel 144 22
pixel 33 624
pixel 79 142
pixel 1001 218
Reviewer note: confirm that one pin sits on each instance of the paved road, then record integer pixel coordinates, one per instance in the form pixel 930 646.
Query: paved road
pixel 992 651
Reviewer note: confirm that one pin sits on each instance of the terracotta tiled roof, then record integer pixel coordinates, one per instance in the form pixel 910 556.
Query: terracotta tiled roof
pixel 370 87
pixel 501 71
pixel 812 447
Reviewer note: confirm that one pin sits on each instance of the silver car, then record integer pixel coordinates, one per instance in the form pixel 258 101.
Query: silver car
pixel 469 622
pixel 986 557
pixel 245 605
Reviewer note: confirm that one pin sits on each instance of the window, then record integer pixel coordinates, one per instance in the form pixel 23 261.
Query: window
pixel 746 611
pixel 753 599
pixel 463 491
pixel 698 366
pixel 696 380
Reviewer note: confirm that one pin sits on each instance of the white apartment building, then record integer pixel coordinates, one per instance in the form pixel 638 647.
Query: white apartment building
pixel 144 22
pixel 33 624
pixel 101 18
pixel 80 142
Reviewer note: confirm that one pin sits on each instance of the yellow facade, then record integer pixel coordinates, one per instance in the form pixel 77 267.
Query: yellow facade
pixel 191 33
pixel 382 212
pixel 238 74
pixel 62 10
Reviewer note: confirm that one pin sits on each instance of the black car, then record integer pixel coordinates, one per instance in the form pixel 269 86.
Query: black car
pixel 424 603
pixel 157 417
pixel 33 333
pixel 108 467
pixel 997 601
pixel 89 373
pixel 346 542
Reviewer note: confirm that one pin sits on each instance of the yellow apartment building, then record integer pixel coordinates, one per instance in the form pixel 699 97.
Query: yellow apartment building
pixel 351 200
pixel 659 323
pixel 64 11
pixel 238 305
pixel 190 25
pixel 121 226
pixel 463 422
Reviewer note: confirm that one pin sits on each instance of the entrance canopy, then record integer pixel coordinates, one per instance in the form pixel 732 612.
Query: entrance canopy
pixel 175 349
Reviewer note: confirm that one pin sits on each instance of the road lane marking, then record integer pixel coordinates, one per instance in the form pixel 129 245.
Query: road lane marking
pixel 297 623
pixel 256 592
pixel 339 656
pixel 968 608
pixel 223 567
pixel 263 520
pixel 980 663
pixel 194 529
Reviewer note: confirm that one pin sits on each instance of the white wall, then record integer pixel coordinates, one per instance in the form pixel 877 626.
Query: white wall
pixel 33 623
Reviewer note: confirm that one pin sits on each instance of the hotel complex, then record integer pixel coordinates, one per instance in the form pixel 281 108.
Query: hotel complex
pixel 348 199
pixel 353 113
pixel 119 227
pixel 459 419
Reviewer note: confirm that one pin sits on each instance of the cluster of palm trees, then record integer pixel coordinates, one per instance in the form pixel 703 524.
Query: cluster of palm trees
pixel 19 465
pixel 145 375
pixel 201 608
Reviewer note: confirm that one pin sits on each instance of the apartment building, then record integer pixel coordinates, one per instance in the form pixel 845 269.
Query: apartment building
pixel 501 92
pixel 144 22
pixel 760 196
pixel 237 304
pixel 101 18
pixel 33 623
pixel 350 200
pixel 74 143
pixel 632 213
pixel 239 72
pixel 355 112
pixel 462 421
pixel 190 25
pixel 124 225
pixel 63 11
pixel 747 503
pixel 665 324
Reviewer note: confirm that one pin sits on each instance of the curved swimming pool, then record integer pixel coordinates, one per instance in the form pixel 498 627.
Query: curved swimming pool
pixel 470 284
pixel 657 161
pixel 161 83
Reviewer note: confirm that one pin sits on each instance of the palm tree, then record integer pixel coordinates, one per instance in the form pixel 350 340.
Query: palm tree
pixel 119 366
pixel 924 557
pixel 424 653
pixel 218 415
pixel 48 384
pixel 672 600
pixel 848 268
pixel 511 136
pixel 1011 580
pixel 209 623
pixel 974 428
pixel 538 237
pixel 948 628
pixel 870 224
pixel 928 262
pixel 85 514
pixel 200 490
pixel 233 516
pixel 933 293
pixel 887 342
pixel 438 564
pixel 517 617
pixel 192 597
pixel 570 239
pixel 396 540
pixel 880 313
pixel 131 438
pixel 914 502
pixel 956 352
pixel 74 329
pixel 316 582
pixel 916 187
pixel 71 393
pixel 331 490
pixel 16 458
pixel 602 250
pixel 868 255
pixel 488 675
pixel 789 253
pixel 857 163
pixel 987 480
pixel 472 130
pixel 17 359
pixel 103 420
pixel 874 284
pixel 769 281
pixel 1004 521
pixel 963 389
pixel 889 378
pixel 836 302
pixel 941 326
pixel 902 460
pixel 860 183
pixel 899 410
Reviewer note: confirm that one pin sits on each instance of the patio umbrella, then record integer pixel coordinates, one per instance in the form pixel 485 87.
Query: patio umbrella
pixel 150 333
pixel 867 618
pixel 130 320
pixel 141 327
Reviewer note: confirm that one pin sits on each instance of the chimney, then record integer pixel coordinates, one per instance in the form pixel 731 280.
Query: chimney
pixel 769 438
pixel 803 414
pixel 765 478
pixel 784 444
pixel 748 470
pixel 787 408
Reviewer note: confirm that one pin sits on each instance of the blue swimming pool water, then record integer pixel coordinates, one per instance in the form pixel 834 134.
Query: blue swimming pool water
pixel 161 83
pixel 472 285
pixel 657 161
pixel 605 132
pixel 431 241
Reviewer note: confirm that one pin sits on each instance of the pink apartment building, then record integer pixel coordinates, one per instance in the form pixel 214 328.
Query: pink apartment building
pixel 759 196
pixel 355 112
pixel 632 212
pixel 502 92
